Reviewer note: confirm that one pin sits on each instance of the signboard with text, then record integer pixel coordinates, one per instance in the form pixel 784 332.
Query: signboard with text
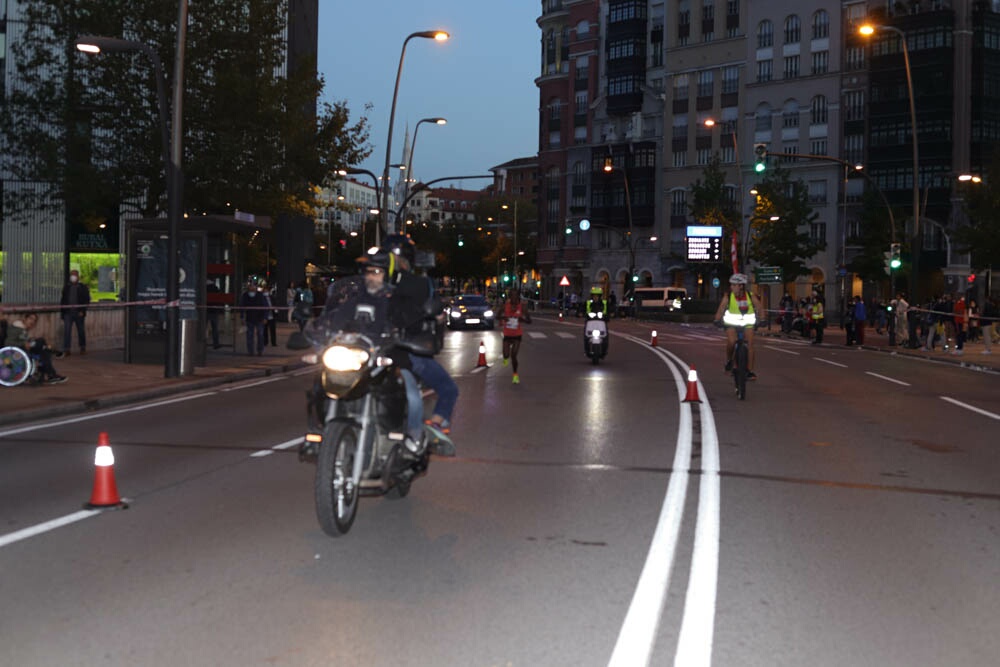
pixel 703 243
pixel 769 274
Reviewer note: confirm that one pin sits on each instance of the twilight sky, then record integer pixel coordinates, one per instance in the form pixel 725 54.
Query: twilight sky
pixel 481 80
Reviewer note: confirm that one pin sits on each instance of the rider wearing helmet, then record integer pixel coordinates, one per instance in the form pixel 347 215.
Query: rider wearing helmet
pixel 597 303
pixel 739 308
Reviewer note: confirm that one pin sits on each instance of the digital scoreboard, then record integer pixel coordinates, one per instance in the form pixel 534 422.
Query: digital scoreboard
pixel 703 243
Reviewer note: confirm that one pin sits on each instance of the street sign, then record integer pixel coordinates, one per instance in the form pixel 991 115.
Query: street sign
pixel 716 282
pixel 704 243
pixel 564 282
pixel 769 274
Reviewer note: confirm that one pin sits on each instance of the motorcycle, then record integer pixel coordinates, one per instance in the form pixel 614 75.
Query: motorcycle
pixel 595 337
pixel 357 431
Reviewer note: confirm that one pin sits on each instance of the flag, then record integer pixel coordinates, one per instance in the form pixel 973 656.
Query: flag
pixel 733 253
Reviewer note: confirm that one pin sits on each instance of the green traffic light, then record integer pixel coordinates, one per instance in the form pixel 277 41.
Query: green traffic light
pixel 895 263
pixel 759 167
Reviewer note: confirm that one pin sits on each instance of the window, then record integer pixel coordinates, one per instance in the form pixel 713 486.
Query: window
pixel 581 103
pixel 790 114
pixel 821 24
pixel 817 192
pixel 580 134
pixel 727 153
pixel 791 67
pixel 817 232
pixel 765 34
pixel 704 155
pixel 732 18
pixel 626 11
pixel 681 87
pixel 855 57
pixel 818 114
pixel 683 22
pixel 764 71
pixel 706 80
pixel 555 109
pixel 762 122
pixel 678 203
pixel 623 85
pixel 793 29
pixel 730 79
pixel 818 146
pixel 679 158
pixel 854 148
pixel 680 127
pixel 854 105
pixel 820 62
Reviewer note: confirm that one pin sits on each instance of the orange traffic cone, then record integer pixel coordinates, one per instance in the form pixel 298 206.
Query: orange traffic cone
pixel 482 354
pixel 652 340
pixel 560 316
pixel 692 391
pixel 105 493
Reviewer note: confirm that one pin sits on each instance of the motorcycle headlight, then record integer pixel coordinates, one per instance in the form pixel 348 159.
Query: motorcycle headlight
pixel 339 358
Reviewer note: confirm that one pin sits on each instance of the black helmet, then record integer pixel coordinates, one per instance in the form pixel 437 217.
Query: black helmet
pixel 401 244
pixel 378 257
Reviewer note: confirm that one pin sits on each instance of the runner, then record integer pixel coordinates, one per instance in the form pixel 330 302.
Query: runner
pixel 514 313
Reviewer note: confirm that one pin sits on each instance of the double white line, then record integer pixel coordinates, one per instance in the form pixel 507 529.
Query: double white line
pixel 637 637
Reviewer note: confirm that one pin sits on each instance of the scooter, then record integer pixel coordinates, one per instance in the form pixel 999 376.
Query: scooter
pixel 595 337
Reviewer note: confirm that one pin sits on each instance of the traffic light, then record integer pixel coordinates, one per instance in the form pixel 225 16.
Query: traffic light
pixel 971 278
pixel 461 241
pixel 894 261
pixel 760 157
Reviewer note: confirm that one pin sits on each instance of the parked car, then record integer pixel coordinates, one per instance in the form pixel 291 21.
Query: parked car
pixel 470 310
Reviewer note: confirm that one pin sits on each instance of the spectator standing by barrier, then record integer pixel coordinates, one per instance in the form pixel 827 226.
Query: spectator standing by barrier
pixel 902 320
pixel 271 325
pixel 75 299
pixel 254 307
pixel 212 314
pixel 290 300
pixel 960 322
pixel 988 318
pixel 860 319
pixel 818 318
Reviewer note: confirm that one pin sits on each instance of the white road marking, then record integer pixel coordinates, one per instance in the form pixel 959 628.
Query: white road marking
pixel 269 380
pixel 887 379
pixel 282 445
pixel 832 363
pixel 566 334
pixel 537 334
pixel 973 408
pixel 40 528
pixel 778 349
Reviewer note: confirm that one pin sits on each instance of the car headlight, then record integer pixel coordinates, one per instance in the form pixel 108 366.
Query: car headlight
pixel 488 313
pixel 456 313
pixel 340 358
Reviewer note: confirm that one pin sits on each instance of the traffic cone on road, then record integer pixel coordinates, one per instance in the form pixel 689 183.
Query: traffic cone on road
pixel 105 492
pixel 560 316
pixel 482 354
pixel 692 389
pixel 652 340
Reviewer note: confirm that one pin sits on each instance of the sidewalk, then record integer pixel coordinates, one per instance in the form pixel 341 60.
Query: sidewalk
pixel 972 354
pixel 101 379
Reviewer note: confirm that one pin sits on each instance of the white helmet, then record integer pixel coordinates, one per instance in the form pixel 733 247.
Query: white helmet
pixel 738 279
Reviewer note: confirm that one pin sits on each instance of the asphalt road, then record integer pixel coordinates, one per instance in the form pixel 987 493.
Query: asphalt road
pixel 846 513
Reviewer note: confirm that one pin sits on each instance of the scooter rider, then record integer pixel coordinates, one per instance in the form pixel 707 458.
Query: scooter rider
pixel 597 303
pixel 597 309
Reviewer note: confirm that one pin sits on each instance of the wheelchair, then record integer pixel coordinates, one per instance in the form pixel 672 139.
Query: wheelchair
pixel 18 366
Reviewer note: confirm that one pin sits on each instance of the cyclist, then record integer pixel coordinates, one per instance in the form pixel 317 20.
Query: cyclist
pixel 739 308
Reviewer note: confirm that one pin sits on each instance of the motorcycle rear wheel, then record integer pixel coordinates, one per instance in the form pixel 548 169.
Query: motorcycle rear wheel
pixel 336 493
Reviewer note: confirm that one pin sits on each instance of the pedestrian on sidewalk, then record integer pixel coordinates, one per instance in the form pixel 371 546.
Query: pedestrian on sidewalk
pixel 75 299
pixel 860 319
pixel 271 325
pixel 254 307
pixel 988 318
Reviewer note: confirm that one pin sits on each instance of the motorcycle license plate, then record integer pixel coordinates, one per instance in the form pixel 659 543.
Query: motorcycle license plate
pixel 472 320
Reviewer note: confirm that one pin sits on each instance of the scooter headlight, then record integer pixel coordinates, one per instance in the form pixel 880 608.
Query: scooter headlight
pixel 340 358
pixel 595 334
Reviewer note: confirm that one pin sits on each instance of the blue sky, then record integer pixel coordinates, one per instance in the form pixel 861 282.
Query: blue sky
pixel 481 80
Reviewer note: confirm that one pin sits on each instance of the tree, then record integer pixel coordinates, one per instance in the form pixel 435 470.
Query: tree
pixel 982 204
pixel 785 242
pixel 87 128
pixel 712 202
pixel 875 238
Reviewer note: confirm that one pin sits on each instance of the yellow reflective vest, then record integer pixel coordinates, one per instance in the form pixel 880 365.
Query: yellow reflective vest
pixel 735 316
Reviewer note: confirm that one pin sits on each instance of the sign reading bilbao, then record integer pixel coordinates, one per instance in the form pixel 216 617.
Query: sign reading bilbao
pixel 703 243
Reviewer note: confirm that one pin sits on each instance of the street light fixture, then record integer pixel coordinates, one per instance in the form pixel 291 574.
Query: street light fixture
pixel 438 35
pixel 172 172
pixel 413 145
pixel 868 30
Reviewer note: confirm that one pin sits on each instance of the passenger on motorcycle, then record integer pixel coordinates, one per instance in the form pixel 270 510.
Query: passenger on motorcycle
pixel 413 309
pixel 739 308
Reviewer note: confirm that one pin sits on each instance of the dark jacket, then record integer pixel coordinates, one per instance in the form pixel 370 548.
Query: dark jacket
pixel 75 294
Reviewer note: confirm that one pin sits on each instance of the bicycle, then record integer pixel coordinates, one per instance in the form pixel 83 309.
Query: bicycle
pixel 740 359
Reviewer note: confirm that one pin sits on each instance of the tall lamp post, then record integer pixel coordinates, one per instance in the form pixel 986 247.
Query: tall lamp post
pixel 745 232
pixel 440 36
pixel 413 145
pixel 172 166
pixel 915 249
pixel 507 207
pixel 357 170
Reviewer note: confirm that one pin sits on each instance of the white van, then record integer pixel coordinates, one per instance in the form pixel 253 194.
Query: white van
pixel 660 298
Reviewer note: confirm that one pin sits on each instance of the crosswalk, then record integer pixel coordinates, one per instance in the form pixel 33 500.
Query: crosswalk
pixel 692 337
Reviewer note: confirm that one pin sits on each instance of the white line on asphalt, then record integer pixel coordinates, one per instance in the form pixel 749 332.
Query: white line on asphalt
pixel 832 363
pixel 888 379
pixel 960 404
pixel 101 414
pixel 565 334
pixel 269 380
pixel 537 334
pixel 283 445
pixel 778 349
pixel 40 528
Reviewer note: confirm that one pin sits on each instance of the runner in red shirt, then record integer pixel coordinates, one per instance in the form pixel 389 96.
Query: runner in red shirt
pixel 514 313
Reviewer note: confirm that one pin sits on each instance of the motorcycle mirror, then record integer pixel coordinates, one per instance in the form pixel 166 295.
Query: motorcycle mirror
pixel 297 341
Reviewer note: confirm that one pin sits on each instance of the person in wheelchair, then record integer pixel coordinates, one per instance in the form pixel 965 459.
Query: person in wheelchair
pixel 20 334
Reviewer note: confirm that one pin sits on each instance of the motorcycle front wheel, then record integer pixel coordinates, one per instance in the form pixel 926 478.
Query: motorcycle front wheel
pixel 336 492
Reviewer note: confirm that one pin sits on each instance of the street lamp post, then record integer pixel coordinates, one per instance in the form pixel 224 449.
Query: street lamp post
pixel 438 35
pixel 868 30
pixel 413 146
pixel 172 166
pixel 608 168
pixel 744 230
pixel 507 207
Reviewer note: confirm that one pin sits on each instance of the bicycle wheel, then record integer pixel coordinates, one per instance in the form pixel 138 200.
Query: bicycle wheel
pixel 15 366
pixel 740 369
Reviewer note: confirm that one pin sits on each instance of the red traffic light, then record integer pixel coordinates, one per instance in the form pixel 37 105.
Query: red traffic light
pixel 971 279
